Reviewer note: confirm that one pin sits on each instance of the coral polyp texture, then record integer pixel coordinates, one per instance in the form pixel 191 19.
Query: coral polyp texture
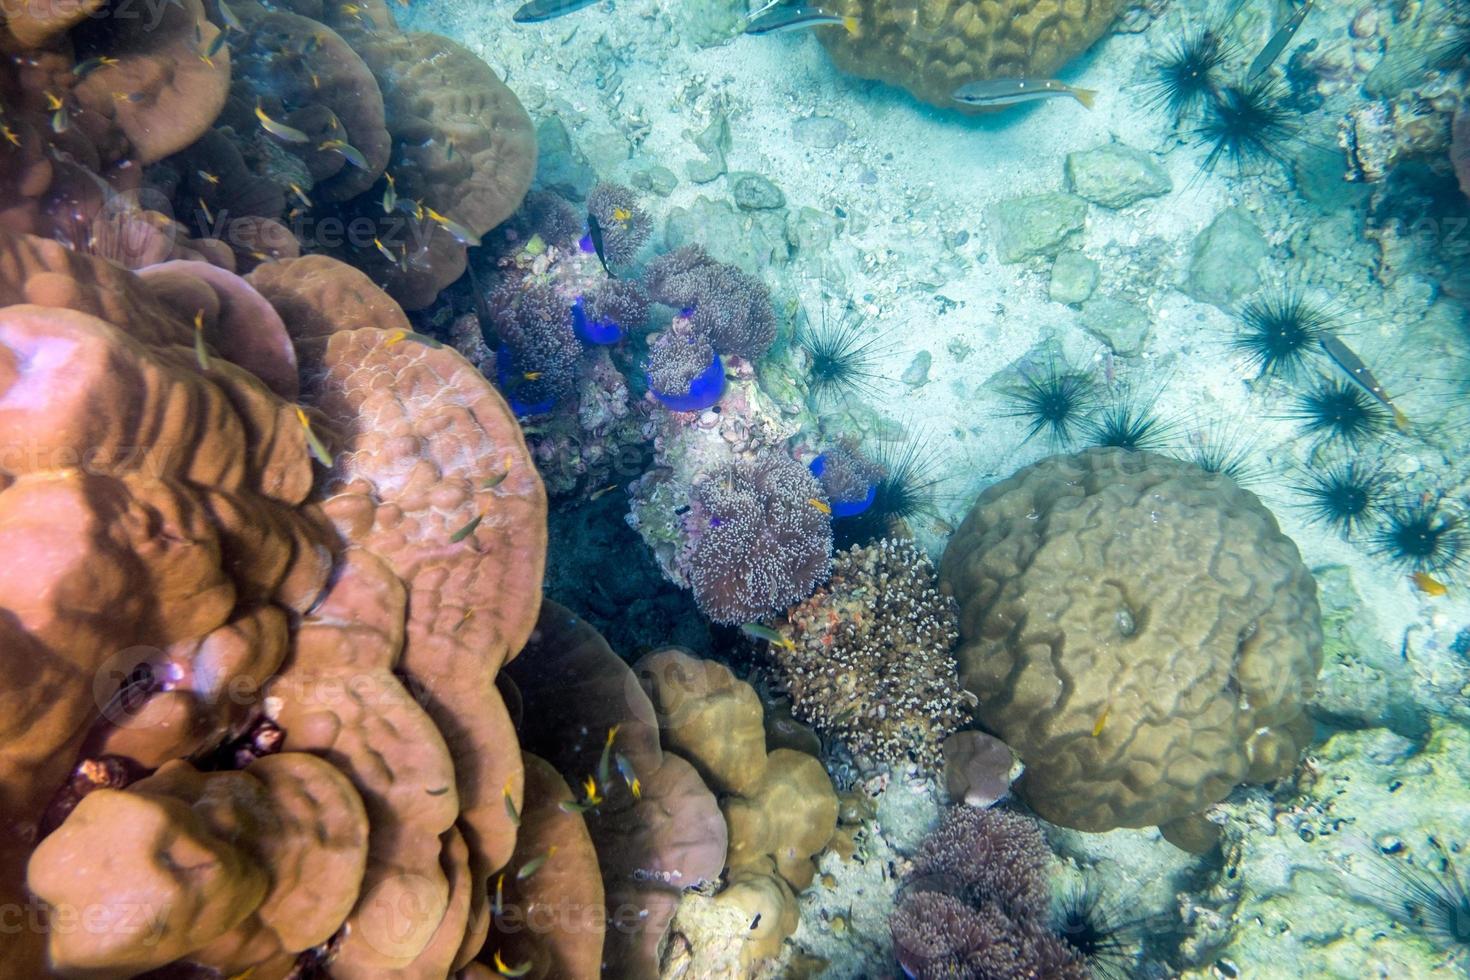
pixel 251 686
pixel 871 657
pixel 728 307
pixel 1139 631
pixel 933 48
pixel 976 903
pixel 764 539
pixel 624 225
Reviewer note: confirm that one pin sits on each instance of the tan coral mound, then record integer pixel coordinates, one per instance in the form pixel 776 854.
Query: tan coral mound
pixel 182 584
pixel 1138 630
pixel 932 47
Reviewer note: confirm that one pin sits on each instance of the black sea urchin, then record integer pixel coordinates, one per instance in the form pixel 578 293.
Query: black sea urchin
pixel 1056 401
pixel 1186 76
pixel 1433 899
pixel 1099 931
pixel 904 491
pixel 1224 448
pixel 1247 124
pixel 1340 411
pixel 843 357
pixel 1281 330
pixel 1420 535
pixel 1129 422
pixel 1344 495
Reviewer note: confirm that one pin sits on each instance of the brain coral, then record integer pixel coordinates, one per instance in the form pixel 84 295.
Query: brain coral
pixel 932 47
pixel 1138 630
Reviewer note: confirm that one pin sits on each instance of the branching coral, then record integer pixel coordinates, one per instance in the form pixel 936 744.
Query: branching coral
pixel 870 657
pixel 1139 631
pixel 764 539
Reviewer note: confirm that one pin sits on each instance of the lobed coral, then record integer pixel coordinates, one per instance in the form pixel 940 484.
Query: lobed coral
pixel 763 541
pixel 329 645
pixel 1460 147
pixel 1138 630
pixel 932 49
pixel 976 904
pixel 870 657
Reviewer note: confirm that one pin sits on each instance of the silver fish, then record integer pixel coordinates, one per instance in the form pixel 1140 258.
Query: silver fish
pixel 779 20
pixel 1013 91
pixel 1278 43
pixel 538 10
pixel 1353 365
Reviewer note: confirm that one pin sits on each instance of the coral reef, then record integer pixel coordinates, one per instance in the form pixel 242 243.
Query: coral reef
pixel 268 133
pixel 933 49
pixel 764 540
pixel 624 224
pixel 1460 147
pixel 870 657
pixel 780 806
pixel 329 644
pixel 729 308
pixel 1138 631
pixel 976 904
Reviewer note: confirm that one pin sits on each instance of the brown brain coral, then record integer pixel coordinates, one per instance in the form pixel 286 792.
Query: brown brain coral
pixel 1138 630
pixel 932 47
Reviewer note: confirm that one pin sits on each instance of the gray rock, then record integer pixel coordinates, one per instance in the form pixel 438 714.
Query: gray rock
pixel 1115 176
pixel 752 192
pixel 1073 278
pixel 656 180
pixel 809 230
pixel 714 140
pixel 1225 262
pixel 1117 323
pixel 560 166
pixel 1040 225
pixel 749 239
pixel 917 373
pixel 822 132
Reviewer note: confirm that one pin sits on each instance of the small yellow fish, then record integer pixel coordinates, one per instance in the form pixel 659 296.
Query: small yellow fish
pixel 467 530
pixel 208 177
pixel 208 215
pixel 313 444
pixel 206 59
pixel 228 16
pixel 1429 585
pixel 398 336
pixel 510 807
pixel 280 130
pixel 1102 720
pixel 622 215
pixel 499 895
pixel 316 80
pixel 300 194
pixel 10 135
pixel 532 376
pixel 201 354
pixel 350 9
pixel 490 483
pixel 760 631
pixel 534 865
pixel 353 154
pixel 84 68
pixel 53 101
pixel 390 194
pixel 511 971
pixel 59 121
pixel 591 795
pixel 604 766
pixel 383 250
pixel 461 234
pixel 625 769
pixel 599 494
pixel 820 505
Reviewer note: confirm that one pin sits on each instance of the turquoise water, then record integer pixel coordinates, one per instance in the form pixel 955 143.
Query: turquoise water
pixel 1003 516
